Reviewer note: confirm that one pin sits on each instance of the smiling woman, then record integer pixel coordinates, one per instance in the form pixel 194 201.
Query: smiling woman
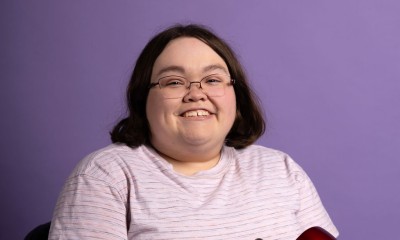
pixel 182 164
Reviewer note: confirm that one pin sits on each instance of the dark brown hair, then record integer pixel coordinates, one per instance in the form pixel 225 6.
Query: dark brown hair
pixel 134 130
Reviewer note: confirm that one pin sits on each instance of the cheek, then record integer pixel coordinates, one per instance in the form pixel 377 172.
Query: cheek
pixel 153 110
pixel 158 110
pixel 227 109
pixel 230 105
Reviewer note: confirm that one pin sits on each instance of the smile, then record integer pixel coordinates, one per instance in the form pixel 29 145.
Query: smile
pixel 196 113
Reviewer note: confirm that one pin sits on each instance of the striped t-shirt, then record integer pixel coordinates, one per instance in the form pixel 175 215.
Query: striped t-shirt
pixel 132 193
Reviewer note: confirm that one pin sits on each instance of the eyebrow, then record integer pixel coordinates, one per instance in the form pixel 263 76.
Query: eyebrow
pixel 172 68
pixel 215 67
pixel 181 70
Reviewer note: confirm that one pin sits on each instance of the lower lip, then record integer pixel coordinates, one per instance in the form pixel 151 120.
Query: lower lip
pixel 198 118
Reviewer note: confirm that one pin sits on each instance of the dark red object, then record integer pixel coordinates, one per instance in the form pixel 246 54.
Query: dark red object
pixel 316 233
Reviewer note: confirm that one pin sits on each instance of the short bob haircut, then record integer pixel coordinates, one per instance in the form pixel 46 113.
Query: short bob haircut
pixel 134 130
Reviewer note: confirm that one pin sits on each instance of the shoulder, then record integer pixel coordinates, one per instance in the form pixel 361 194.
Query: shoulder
pixel 264 155
pixel 268 161
pixel 260 152
pixel 112 161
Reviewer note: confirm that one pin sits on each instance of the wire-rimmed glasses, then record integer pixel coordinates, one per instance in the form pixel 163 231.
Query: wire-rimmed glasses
pixel 174 86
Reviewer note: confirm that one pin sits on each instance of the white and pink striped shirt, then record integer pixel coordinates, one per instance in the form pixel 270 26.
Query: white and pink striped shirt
pixel 124 193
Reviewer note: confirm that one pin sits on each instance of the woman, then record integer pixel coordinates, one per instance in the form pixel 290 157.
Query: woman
pixel 182 164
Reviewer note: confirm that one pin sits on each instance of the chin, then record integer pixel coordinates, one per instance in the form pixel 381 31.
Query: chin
pixel 196 141
pixel 202 141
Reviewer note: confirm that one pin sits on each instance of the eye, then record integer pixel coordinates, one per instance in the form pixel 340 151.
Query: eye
pixel 172 82
pixel 213 80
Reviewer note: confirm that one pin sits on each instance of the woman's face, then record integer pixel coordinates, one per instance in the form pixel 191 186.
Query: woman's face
pixel 194 125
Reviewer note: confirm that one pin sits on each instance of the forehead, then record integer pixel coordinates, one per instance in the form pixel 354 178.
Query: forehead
pixel 188 55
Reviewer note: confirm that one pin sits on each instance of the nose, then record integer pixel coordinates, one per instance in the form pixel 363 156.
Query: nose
pixel 194 94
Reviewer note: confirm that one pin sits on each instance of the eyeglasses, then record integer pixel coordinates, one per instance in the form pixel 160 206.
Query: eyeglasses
pixel 176 86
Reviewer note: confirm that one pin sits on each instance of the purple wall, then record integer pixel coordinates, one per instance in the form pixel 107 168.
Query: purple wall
pixel 327 72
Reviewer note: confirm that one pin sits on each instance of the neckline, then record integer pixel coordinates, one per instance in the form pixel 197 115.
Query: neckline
pixel 218 169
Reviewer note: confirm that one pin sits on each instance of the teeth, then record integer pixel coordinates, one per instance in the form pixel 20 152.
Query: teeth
pixel 196 113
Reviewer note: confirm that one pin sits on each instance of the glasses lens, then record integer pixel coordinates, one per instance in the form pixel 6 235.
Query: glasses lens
pixel 173 86
pixel 214 85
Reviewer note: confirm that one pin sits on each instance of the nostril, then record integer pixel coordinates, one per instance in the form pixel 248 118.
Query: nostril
pixel 195 95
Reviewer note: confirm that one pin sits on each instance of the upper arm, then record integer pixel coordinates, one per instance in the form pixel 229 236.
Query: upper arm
pixel 89 208
pixel 311 211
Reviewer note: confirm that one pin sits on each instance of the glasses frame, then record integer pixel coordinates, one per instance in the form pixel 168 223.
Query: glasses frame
pixel 230 83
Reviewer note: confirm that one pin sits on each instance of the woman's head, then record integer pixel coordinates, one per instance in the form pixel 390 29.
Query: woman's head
pixel 135 130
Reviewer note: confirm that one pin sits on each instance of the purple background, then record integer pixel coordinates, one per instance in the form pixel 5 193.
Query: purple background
pixel 327 73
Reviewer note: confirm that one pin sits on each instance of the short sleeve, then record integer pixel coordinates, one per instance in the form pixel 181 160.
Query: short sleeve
pixel 90 206
pixel 311 211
